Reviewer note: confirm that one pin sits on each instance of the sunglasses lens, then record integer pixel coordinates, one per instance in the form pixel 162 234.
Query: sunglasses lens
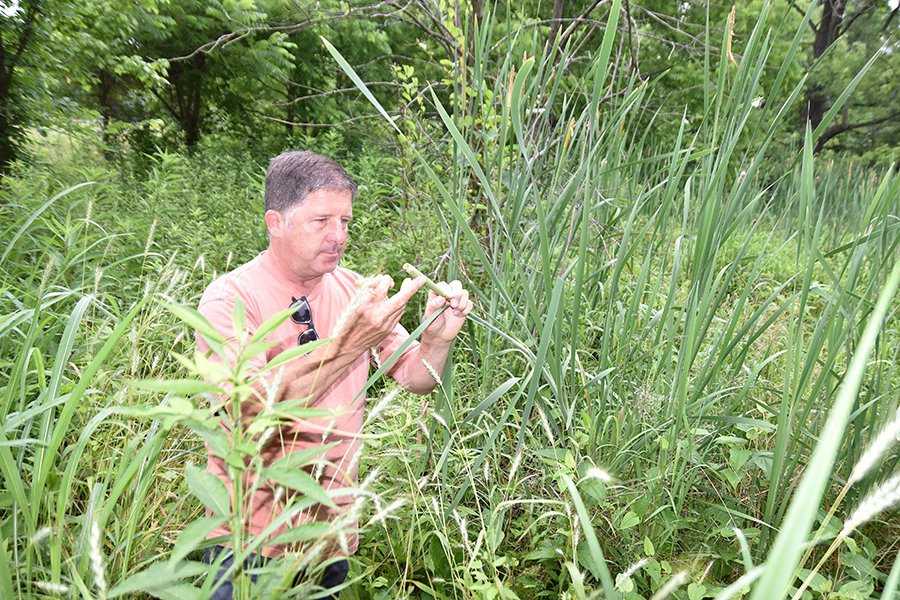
pixel 307 336
pixel 302 315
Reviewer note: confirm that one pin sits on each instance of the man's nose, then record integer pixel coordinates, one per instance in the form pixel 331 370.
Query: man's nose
pixel 337 232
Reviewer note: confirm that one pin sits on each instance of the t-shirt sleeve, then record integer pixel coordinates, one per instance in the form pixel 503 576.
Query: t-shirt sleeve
pixel 399 371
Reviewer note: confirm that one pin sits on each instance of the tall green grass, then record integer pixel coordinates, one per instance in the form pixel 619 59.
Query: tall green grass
pixel 678 354
pixel 667 316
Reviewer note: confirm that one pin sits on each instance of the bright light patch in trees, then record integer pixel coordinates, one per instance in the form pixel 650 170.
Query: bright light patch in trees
pixel 9 9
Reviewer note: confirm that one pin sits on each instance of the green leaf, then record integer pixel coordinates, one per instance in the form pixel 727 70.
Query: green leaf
pixel 289 355
pixel 6 583
pixel 194 535
pixel 195 320
pixel 696 591
pixel 11 243
pixel 270 325
pixel 209 489
pixel 596 562
pixel 359 83
pixel 239 319
pixel 784 557
pixel 301 458
pixel 303 533
pixel 648 547
pixel 892 586
pixel 182 387
pixel 624 584
pixel 301 481
pixel 628 521
pixel 856 590
pixel 158 577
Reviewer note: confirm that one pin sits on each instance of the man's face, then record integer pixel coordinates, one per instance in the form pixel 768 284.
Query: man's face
pixel 310 238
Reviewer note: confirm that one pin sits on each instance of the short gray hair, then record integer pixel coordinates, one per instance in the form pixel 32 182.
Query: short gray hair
pixel 292 176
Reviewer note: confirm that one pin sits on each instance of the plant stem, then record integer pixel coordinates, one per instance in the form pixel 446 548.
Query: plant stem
pixel 414 272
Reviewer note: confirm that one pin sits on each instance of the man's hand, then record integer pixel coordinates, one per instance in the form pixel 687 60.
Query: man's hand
pixel 373 315
pixel 447 325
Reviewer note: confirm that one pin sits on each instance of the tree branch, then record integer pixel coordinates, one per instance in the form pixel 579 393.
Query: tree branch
pixel 889 18
pixel 803 12
pixel 25 38
pixel 582 18
pixel 318 125
pixel 847 23
pixel 326 93
pixel 662 21
pixel 840 128
pixel 241 33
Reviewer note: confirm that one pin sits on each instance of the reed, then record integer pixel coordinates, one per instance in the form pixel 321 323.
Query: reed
pixel 681 352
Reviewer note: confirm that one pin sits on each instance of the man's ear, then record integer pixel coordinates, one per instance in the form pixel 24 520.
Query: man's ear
pixel 274 223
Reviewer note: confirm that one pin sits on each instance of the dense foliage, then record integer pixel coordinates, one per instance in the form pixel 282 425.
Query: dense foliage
pixel 680 377
pixel 169 72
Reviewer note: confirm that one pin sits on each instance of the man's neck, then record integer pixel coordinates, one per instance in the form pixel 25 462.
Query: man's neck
pixel 304 286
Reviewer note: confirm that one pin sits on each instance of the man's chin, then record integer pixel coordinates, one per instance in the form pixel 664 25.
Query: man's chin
pixel 329 261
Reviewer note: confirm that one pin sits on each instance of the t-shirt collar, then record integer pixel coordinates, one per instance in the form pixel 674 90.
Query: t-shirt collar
pixel 288 287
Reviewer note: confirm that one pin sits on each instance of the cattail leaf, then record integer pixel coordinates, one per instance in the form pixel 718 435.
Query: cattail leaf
pixel 601 64
pixel 358 82
pixel 783 560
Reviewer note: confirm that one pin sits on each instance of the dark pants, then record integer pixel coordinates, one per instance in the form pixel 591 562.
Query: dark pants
pixel 334 574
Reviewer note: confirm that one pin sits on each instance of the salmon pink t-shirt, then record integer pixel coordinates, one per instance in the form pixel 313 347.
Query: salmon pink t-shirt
pixel 265 292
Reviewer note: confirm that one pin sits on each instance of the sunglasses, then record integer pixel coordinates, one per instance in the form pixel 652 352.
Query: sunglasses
pixel 303 316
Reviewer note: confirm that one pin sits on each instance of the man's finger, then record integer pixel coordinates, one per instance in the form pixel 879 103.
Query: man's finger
pixel 382 285
pixel 463 306
pixel 454 291
pixel 408 289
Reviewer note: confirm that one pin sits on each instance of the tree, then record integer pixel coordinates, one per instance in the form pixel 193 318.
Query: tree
pixel 18 35
pixel 848 33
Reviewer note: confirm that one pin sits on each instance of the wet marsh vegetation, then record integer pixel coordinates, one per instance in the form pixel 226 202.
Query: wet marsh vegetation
pixel 679 353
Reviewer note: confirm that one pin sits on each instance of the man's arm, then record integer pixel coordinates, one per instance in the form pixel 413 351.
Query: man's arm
pixel 372 316
pixel 434 347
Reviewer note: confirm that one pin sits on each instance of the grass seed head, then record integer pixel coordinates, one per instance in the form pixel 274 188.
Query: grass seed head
pixel 877 448
pixel 96 558
pixel 677 580
pixel 882 498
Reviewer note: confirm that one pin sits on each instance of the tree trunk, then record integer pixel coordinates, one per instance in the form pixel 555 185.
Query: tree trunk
pixel 7 127
pixel 105 102
pixel 187 83
pixel 558 6
pixel 828 31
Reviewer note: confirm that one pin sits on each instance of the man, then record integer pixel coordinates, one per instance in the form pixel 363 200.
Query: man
pixel 308 206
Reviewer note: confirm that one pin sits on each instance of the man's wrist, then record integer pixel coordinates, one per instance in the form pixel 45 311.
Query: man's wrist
pixel 434 349
pixel 342 349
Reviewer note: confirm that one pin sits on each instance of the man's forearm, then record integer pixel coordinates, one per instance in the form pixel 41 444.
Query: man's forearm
pixel 308 376
pixel 434 355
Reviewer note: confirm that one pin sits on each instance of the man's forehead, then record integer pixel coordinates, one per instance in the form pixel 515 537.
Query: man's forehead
pixel 321 208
